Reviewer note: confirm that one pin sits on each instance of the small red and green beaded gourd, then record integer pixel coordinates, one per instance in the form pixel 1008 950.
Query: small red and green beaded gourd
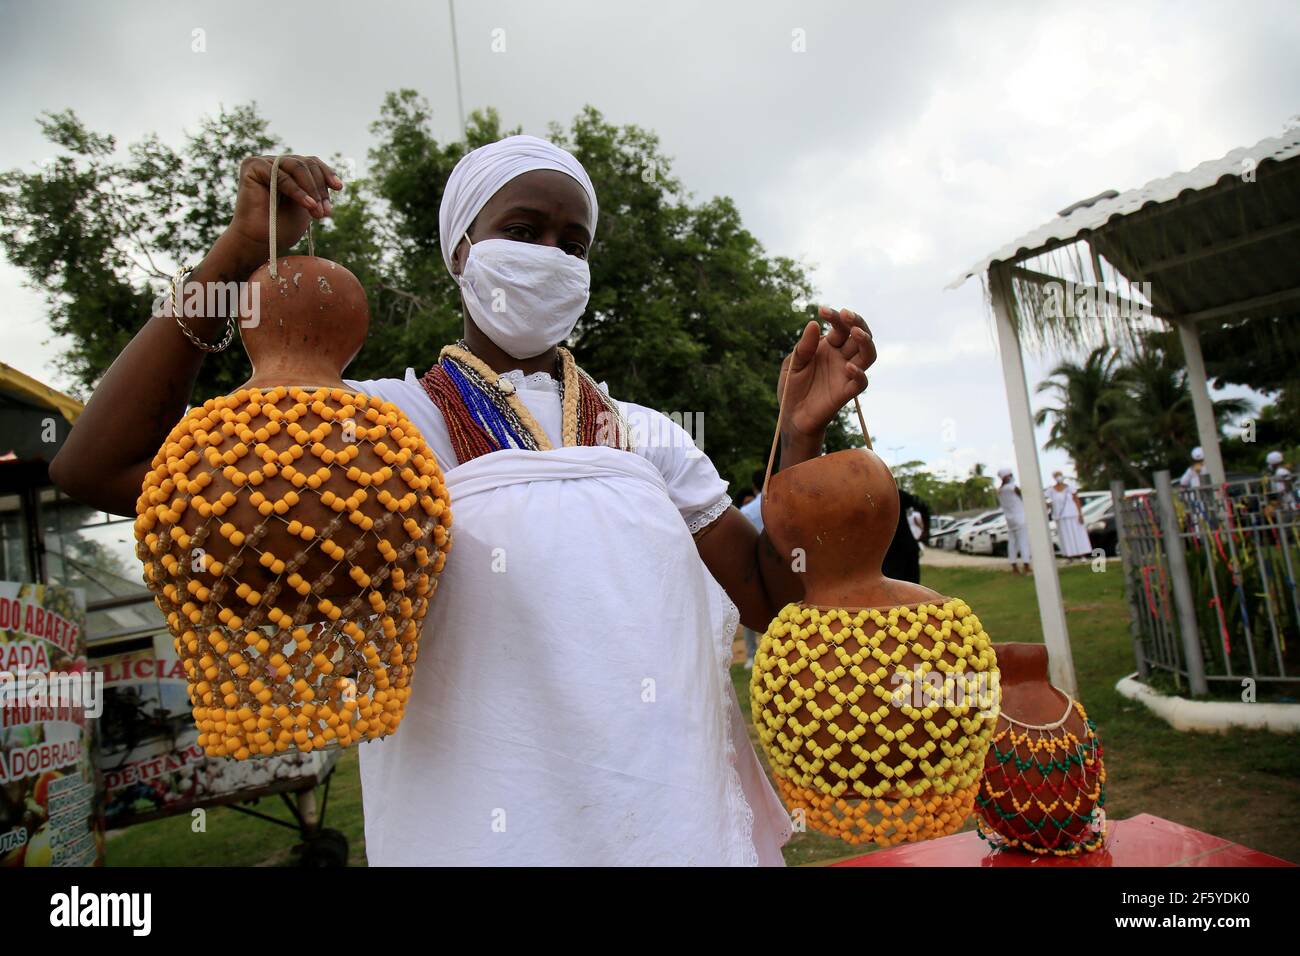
pixel 292 531
pixel 1044 785
pixel 874 699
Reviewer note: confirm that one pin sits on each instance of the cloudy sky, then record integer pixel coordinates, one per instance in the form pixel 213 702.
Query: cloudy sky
pixel 886 145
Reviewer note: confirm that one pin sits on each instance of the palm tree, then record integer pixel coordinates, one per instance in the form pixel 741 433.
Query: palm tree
pixel 1158 414
pixel 1086 422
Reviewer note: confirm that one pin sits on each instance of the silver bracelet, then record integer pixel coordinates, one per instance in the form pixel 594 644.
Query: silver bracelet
pixel 178 280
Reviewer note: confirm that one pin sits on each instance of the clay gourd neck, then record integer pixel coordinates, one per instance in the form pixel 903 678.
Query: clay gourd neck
pixel 1027 692
pixel 833 518
pixel 311 321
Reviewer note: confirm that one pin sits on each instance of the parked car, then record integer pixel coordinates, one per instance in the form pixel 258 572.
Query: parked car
pixel 982 539
pixel 944 530
pixel 940 523
pixel 947 538
pixel 972 535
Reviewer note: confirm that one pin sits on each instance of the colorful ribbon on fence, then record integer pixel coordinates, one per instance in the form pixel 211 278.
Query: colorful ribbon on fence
pixel 1163 610
pixel 1223 625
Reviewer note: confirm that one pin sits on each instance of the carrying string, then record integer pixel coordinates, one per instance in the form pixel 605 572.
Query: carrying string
pixel 275 195
pixel 780 412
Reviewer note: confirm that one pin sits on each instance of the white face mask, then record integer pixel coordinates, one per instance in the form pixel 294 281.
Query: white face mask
pixel 526 297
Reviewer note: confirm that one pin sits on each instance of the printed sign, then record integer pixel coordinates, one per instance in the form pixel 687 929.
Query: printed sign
pixel 49 699
pixel 148 752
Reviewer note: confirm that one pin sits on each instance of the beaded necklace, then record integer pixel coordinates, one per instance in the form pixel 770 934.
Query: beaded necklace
pixel 484 412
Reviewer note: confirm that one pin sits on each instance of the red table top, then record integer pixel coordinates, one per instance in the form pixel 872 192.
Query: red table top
pixel 1143 840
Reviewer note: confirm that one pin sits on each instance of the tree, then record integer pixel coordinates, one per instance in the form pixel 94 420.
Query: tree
pixel 1157 422
pixel 943 493
pixel 688 312
pixel 1089 398
pixel 100 235
pixel 1122 418
pixel 1261 353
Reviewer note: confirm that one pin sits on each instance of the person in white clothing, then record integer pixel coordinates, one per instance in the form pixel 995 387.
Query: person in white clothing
pixel 584 696
pixel 1281 479
pixel 1190 479
pixel 916 524
pixel 1012 504
pixel 1280 473
pixel 1067 512
pixel 573 703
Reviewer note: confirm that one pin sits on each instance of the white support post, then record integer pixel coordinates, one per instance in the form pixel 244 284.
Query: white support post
pixel 1047 584
pixel 1207 428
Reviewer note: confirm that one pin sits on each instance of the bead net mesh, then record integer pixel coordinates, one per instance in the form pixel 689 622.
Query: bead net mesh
pixel 277 660
pixel 876 721
pixel 883 822
pixel 1044 790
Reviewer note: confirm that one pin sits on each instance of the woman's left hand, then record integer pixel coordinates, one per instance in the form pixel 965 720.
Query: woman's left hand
pixel 824 373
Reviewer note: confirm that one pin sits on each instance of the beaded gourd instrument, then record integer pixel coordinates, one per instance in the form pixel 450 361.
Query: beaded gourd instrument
pixel 1044 784
pixel 291 533
pixel 874 699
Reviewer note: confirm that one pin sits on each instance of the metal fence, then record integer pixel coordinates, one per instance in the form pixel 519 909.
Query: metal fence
pixel 1210 577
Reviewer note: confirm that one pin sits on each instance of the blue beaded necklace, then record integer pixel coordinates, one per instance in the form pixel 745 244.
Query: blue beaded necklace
pixel 485 411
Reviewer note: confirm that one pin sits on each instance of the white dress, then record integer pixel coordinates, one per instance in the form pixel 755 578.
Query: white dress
pixel 1069 529
pixel 572 701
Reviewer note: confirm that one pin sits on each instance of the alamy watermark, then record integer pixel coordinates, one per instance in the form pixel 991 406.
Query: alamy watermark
pixel 650 429
pixel 1068 300
pixel 196 300
pixel 976 690
pixel 57 691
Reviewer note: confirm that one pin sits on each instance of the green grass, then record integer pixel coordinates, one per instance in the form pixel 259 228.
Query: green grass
pixel 1243 786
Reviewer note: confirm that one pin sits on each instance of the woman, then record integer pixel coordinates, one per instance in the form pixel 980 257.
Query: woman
pixel 1067 511
pixel 572 703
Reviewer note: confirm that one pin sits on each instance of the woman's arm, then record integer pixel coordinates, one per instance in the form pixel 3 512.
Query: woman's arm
pixel 822 374
pixel 144 393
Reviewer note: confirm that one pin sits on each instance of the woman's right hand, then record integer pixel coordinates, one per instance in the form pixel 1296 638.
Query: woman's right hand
pixel 106 456
pixel 304 183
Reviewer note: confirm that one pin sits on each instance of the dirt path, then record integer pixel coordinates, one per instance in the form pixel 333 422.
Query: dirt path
pixel 939 558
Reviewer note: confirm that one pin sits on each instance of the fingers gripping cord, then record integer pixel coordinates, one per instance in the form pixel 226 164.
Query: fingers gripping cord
pixel 275 193
pixel 780 412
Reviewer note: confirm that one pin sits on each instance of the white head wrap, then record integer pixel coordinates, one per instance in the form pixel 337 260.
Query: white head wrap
pixel 483 171
pixel 1274 458
pixel 1198 454
pixel 1004 472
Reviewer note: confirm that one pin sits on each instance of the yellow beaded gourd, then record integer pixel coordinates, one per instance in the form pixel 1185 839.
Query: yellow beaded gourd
pixel 876 721
pixel 292 537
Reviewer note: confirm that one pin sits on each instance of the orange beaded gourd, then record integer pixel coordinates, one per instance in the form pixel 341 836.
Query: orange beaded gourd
pixel 291 532
pixel 874 699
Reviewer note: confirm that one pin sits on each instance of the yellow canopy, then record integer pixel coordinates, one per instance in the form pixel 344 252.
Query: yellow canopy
pixel 24 387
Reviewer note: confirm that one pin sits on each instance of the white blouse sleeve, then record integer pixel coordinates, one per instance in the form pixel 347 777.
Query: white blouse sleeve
pixel 694 485
pixel 409 395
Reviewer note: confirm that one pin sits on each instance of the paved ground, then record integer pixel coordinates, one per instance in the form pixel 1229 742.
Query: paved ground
pixel 939 558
